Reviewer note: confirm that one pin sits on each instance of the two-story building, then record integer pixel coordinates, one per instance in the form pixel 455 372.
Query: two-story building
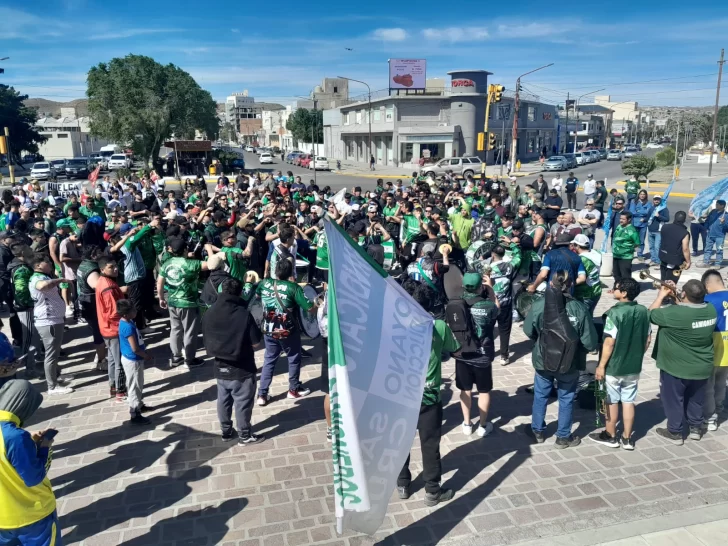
pixel 68 136
pixel 434 123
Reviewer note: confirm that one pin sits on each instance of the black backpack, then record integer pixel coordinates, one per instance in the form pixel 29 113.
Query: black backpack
pixel 558 340
pixel 460 321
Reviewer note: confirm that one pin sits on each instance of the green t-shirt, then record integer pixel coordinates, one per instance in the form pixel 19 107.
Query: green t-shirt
pixel 592 288
pixel 291 296
pixel 628 323
pixel 181 278
pixel 632 187
pixel 236 264
pixel 322 250
pixel 626 239
pixel 442 340
pixel 463 227
pixel 389 211
pixel 410 227
pixel 193 199
pixel 684 344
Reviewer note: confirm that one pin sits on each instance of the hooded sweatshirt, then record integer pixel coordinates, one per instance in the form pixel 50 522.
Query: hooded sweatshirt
pixel 26 495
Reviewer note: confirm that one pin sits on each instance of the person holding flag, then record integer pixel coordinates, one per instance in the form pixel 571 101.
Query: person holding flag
pixel 660 216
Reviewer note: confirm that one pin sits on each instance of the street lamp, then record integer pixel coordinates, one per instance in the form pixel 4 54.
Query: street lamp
pixel 576 107
pixel 369 92
pixel 516 108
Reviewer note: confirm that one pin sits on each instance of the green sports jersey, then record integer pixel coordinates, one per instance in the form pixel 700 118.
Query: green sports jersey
pixel 409 227
pixel 235 263
pixel 442 340
pixel 290 294
pixel 626 239
pixel 632 187
pixel 592 288
pixel 628 324
pixel 322 250
pixel 181 278
pixel 501 274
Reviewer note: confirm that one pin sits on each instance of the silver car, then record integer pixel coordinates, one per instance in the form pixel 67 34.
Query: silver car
pixel 614 155
pixel 556 163
pixel 630 152
pixel 43 171
pixel 458 165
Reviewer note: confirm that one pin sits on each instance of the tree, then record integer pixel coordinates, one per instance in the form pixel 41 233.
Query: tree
pixel 136 101
pixel 20 121
pixel 665 157
pixel 304 123
pixel 639 166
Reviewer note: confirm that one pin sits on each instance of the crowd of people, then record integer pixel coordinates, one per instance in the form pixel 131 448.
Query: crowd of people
pixel 232 263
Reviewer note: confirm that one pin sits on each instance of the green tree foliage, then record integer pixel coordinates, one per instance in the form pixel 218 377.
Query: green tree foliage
pixel 136 101
pixel 639 166
pixel 665 157
pixel 20 121
pixel 304 123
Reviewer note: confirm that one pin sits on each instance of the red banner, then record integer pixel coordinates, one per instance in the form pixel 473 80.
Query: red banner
pixel 94 174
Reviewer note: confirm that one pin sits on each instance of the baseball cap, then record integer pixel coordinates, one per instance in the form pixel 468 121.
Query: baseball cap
pixel 657 196
pixel 177 244
pixel 181 220
pixel 124 229
pixel 517 224
pixel 372 208
pixel 472 280
pixel 563 239
pixel 581 240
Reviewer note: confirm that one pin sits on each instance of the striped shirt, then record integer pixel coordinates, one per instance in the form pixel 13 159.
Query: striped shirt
pixel 133 264
pixel 49 308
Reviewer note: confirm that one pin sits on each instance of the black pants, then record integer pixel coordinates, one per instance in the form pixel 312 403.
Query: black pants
pixel 621 269
pixel 682 398
pixel 571 200
pixel 135 294
pixel 505 322
pixel 667 274
pixel 429 425
pixel 148 294
pixel 697 231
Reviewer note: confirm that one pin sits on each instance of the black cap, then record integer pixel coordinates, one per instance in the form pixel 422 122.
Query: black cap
pixel 181 220
pixel 360 227
pixel 517 224
pixel 563 239
pixel 177 244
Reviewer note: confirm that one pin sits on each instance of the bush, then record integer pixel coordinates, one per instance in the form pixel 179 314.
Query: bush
pixel 639 166
pixel 665 157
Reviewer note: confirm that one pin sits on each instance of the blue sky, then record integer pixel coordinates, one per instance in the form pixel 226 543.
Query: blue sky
pixel 653 52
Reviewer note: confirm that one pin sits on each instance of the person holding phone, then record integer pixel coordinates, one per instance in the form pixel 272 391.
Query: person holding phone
pixel 28 514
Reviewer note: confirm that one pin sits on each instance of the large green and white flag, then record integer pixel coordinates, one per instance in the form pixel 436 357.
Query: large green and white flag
pixel 379 348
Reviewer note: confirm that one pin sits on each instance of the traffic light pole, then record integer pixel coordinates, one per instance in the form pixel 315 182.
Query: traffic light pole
pixel 489 97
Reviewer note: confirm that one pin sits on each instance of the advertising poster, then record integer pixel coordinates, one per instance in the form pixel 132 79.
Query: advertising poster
pixel 407 73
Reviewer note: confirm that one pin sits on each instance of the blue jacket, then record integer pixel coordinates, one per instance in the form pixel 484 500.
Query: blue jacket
pixel 713 224
pixel 658 219
pixel 641 212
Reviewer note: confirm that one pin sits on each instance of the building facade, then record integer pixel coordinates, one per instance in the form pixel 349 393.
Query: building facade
pixel 332 93
pixel 67 137
pixel 435 123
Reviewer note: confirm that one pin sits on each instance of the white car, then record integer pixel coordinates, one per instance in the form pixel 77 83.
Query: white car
pixel 654 146
pixel 319 164
pixel 43 171
pixel 249 149
pixel 581 158
pixel 119 161
pixel 630 152
pixel 266 158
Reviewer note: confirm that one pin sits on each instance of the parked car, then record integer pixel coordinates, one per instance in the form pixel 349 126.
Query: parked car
pixel 300 157
pixel 59 165
pixel 238 164
pixel 97 159
pixel 630 152
pixel 556 163
pixel 596 158
pixel 292 156
pixel 602 153
pixel 614 155
pixel 571 160
pixel 29 158
pixel 305 160
pixel 78 167
pixel 463 166
pixel 119 161
pixel 319 164
pixel 249 149
pixel 43 171
pixel 265 157
pixel 581 158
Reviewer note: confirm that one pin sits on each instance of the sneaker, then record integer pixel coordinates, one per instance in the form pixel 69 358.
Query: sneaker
pixel 139 419
pixel 571 441
pixel 676 439
pixel 604 438
pixel 403 492
pixel 64 380
pixel 229 436
pixel 298 393
pixel 443 495
pixel 538 436
pixel 703 265
pixel 112 392
pixel 263 400
pixel 175 362
pixel 483 431
pixel 144 408
pixel 195 363
pixel 121 397
pixel 695 253
pixel 70 312
pixel 250 439
pixel 712 424
pixel 628 443
pixel 60 390
pixel 467 429
pixel 329 434
pixel 504 360
pixel 696 433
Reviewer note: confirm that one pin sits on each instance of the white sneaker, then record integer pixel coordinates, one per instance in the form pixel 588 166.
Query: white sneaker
pixel 60 390
pixel 70 311
pixel 64 380
pixel 483 431
pixel 712 424
pixel 467 429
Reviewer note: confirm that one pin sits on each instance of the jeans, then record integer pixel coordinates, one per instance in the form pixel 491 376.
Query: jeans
pixel 429 425
pixel 682 398
pixel 52 338
pixel 571 200
pixel 273 349
pixel 621 269
pixel 45 532
pixel 715 393
pixel 566 385
pixel 184 323
pixel 134 371
pixel 654 238
pixel 697 230
pixel 642 232
pixel 238 394
pixel 712 242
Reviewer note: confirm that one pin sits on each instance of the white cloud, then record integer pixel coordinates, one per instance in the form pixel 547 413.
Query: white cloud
pixel 130 33
pixel 15 23
pixel 390 34
pixel 456 34
pixel 531 30
pixel 235 31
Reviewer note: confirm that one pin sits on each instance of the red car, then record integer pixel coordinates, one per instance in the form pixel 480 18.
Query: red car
pixel 304 160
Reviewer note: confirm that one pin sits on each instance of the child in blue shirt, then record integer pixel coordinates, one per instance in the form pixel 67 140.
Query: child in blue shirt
pixel 133 355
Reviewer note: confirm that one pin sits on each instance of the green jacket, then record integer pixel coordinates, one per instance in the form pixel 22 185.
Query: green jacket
pixel 21 277
pixel 626 239
pixel 632 187
pixel 579 317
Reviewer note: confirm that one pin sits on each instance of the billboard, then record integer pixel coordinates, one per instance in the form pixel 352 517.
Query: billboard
pixel 407 73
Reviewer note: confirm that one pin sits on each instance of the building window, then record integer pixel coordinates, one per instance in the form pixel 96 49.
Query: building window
pixel 531 144
pixel 346 118
pixel 358 117
pixel 389 113
pixel 531 113
pixel 336 89
pixel 62 135
pixel 376 115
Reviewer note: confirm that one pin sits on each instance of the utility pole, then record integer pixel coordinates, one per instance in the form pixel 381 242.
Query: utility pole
pixel 677 143
pixel 313 125
pixel 715 113
pixel 9 153
pixel 488 98
pixel 566 146
pixel 516 110
pixel 505 113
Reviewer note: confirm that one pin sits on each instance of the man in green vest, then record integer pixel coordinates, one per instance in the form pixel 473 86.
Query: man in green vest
pixel 626 339
pixel 626 239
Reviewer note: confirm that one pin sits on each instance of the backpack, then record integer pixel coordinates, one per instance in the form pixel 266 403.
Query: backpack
pixel 278 325
pixel 460 321
pixel 558 340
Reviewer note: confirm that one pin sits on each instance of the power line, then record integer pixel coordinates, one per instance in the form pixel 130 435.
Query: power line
pixel 634 83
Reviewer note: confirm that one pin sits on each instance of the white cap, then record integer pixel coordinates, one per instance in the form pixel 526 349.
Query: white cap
pixel 581 240
pixel 355 206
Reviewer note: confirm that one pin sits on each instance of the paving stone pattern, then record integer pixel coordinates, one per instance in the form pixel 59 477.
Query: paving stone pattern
pixel 177 483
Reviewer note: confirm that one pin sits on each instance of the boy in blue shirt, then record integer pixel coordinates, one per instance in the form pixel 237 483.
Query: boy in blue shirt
pixel 133 355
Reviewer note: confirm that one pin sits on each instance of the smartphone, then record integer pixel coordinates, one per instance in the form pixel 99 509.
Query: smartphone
pixel 50 434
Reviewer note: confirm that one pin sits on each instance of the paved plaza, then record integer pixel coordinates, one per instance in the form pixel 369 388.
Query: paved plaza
pixel 177 483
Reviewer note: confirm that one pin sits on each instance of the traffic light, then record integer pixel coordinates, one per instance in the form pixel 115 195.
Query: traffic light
pixel 491 140
pixel 498 92
pixel 481 142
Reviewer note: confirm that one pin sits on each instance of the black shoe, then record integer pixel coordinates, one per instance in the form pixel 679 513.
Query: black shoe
pixel 538 436
pixel 604 438
pixel 176 362
pixel 443 495
pixel 696 433
pixel 139 419
pixel 250 439
pixel 571 441
pixel 195 363
pixel 144 408
pixel 628 443
pixel 403 492
pixel 305 354
pixel 674 438
pixel 229 436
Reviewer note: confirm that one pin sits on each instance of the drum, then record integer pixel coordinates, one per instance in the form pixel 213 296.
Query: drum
pixel 309 321
pixel 524 301
pixel 302 270
pixel 453 282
